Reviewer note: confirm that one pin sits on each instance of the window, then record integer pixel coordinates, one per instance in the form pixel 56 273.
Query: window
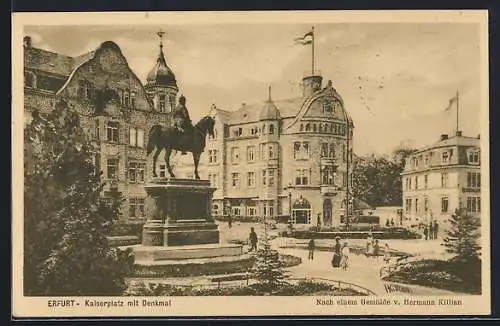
pixel 301 151
pixel 474 204
pixel 235 155
pixel 237 132
pixel 331 151
pixel 213 178
pixel 473 157
pixel 416 205
pixel 251 179
pixel 473 179
pixel 327 107
pixel 314 127
pixel 417 162
pixel 324 149
pixel 136 171
pixel 426 161
pixel 416 182
pixel 85 89
pixel 235 178
pixel 426 181
pixel 301 127
pixel 162 170
pixel 97 127
pixel 408 205
pixel 112 168
pixel 212 156
pixel 308 127
pixel 445 157
pixel 444 180
pixel 270 152
pixel 409 183
pixel 250 153
pixel 161 103
pixel 112 131
pixel 252 211
pixel 271 129
pixel 444 204
pixel 302 177
pixel 136 137
pixel 126 98
pixel 264 177
pixel 328 176
pixel 133 137
pixel 426 204
pixel 132 99
pixel 270 177
pixel 136 207
pixel 29 79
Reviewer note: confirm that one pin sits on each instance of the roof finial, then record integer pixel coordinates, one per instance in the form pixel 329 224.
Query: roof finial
pixel 160 34
pixel 269 93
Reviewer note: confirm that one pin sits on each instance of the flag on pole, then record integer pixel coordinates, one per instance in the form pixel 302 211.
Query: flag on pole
pixel 451 102
pixel 306 39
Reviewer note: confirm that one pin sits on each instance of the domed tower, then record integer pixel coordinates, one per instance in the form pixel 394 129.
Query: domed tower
pixel 269 117
pixel 161 85
pixel 270 153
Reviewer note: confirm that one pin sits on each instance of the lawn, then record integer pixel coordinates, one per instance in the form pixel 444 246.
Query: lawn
pixel 442 274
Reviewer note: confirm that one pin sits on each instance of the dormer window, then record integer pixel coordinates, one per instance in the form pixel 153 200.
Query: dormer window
pixel 473 156
pixel 445 157
pixel 29 79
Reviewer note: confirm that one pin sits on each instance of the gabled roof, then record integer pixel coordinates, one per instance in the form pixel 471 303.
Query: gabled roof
pixel 55 63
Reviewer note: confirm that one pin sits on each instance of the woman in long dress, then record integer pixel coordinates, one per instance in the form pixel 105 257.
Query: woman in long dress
pixel 336 253
pixel 345 256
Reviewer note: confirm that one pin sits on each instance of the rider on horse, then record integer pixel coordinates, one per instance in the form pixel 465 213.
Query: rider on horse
pixel 180 117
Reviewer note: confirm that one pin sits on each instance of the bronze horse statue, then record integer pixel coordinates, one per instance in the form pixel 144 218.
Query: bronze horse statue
pixel 170 138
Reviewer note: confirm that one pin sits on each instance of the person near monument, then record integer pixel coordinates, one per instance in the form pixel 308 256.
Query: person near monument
pixel 435 229
pixel 431 230
pixel 180 117
pixel 311 246
pixel 345 256
pixel 426 232
pixel 337 253
pixel 253 239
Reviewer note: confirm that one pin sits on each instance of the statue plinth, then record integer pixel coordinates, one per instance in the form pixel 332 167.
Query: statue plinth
pixel 179 213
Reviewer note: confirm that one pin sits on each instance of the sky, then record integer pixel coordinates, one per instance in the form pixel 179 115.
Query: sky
pixel 396 79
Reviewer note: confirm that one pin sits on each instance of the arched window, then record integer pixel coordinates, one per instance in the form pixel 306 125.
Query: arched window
pixel 308 127
pixel 301 211
pixel 301 127
pixel 271 129
pixel 314 127
pixel 29 79
pixel 331 128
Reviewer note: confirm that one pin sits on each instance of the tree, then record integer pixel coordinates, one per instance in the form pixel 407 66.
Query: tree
pixel 268 269
pixel 377 179
pixel 65 218
pixel 462 237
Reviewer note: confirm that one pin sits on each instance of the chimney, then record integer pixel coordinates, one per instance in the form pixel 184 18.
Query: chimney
pixel 443 137
pixel 27 41
pixel 458 133
pixel 311 84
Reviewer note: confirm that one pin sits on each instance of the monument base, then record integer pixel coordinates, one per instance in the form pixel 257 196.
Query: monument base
pixel 191 260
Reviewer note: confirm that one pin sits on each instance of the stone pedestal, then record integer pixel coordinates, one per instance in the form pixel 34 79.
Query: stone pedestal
pixel 180 238
pixel 178 213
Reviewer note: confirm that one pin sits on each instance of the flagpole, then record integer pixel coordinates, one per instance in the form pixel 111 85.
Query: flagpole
pixel 312 51
pixel 457 115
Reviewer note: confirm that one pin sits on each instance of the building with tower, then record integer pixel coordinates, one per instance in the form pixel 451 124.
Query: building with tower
pixel 118 122
pixel 286 157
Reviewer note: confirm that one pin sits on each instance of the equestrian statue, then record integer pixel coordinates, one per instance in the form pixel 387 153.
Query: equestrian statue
pixel 180 136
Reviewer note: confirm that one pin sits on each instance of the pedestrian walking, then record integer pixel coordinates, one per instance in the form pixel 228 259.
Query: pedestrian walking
pixel 253 239
pixel 436 227
pixel 337 253
pixel 387 253
pixel 426 232
pixel 229 220
pixel 369 243
pixel 392 222
pixel 431 230
pixel 311 248
pixel 345 256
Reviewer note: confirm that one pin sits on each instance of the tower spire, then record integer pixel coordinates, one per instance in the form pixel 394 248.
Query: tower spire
pixel 160 34
pixel 269 90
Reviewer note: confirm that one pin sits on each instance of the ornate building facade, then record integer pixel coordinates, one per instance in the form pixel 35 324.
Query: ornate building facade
pixel 281 158
pixel 116 110
pixel 442 177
